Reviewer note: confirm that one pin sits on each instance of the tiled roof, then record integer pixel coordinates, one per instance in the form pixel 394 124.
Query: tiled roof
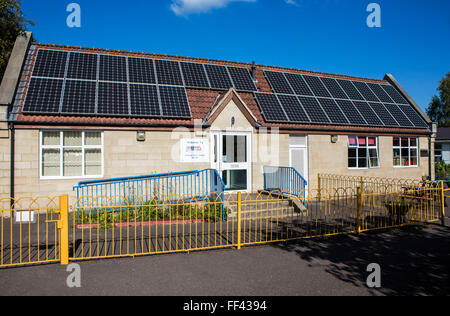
pixel 200 100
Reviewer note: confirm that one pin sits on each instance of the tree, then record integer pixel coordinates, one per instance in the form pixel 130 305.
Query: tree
pixel 439 108
pixel 12 23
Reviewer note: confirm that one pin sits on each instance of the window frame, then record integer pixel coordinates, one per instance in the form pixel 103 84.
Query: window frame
pixel 61 148
pixel 409 147
pixel 438 152
pixel 368 148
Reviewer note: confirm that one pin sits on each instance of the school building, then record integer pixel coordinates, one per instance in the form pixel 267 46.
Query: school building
pixel 69 114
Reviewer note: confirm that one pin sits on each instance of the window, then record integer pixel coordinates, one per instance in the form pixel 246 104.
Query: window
pixel 362 152
pixel 405 152
pixel 438 152
pixel 71 154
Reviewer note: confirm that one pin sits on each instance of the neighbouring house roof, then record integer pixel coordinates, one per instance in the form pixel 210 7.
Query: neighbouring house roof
pixel 202 101
pixel 443 133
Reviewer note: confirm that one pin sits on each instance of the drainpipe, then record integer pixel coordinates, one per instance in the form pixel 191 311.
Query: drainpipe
pixel 12 165
pixel 431 162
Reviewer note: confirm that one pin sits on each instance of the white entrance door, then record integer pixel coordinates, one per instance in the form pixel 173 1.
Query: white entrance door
pixel 231 152
pixel 298 155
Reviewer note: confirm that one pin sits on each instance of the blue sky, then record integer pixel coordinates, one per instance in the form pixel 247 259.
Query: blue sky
pixel 322 35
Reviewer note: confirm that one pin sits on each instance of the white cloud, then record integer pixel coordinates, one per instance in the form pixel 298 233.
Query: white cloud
pixel 291 2
pixel 186 7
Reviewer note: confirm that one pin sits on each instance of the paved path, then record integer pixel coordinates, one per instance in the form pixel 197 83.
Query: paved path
pixel 414 261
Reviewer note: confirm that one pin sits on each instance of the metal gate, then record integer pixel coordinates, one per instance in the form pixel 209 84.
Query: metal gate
pixel 33 231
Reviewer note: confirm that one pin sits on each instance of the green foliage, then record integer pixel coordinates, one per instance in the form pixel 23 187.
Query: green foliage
pixel 442 170
pixel 150 211
pixel 12 23
pixel 439 108
pixel 398 208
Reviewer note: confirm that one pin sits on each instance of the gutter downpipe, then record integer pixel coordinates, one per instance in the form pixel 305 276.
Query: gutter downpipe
pixel 12 163
pixel 431 161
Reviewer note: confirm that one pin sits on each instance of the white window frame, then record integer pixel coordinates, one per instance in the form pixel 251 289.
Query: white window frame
pixel 368 147
pixel 61 148
pixel 400 147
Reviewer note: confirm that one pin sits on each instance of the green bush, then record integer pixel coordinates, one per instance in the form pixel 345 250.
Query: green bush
pixel 151 211
pixel 398 209
pixel 442 170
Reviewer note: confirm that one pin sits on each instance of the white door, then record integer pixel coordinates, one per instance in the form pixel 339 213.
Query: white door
pixel 231 152
pixel 299 160
pixel 298 155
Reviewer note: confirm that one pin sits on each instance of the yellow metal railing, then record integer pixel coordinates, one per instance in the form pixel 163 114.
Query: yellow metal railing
pixel 121 226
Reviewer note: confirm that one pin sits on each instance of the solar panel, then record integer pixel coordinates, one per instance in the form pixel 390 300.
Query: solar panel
pixel 394 94
pixel 365 91
pixel 278 82
pixel 144 100
pixel 316 86
pixel 380 93
pixel 79 97
pixel 174 102
pixel 194 75
pixel 293 108
pixel 141 70
pixel 351 112
pixel 113 68
pixel 383 114
pixel 112 98
pixel 270 108
pixel 43 96
pixel 398 114
pixel 334 88
pixel 314 110
pixel 82 66
pixel 218 77
pixel 298 84
pixel 350 89
pixel 168 72
pixel 413 116
pixel 333 111
pixel 367 112
pixel 242 79
pixel 50 63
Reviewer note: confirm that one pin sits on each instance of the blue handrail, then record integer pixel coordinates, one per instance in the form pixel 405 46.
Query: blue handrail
pixel 285 180
pixel 197 185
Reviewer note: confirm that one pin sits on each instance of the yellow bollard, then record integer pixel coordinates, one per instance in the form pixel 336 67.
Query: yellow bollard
pixel 239 220
pixel 358 210
pixel 64 229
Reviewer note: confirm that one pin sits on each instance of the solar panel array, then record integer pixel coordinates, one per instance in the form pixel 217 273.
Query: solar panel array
pixel 299 98
pixel 66 82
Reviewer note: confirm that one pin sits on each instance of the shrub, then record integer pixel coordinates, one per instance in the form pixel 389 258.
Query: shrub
pixel 398 209
pixel 442 170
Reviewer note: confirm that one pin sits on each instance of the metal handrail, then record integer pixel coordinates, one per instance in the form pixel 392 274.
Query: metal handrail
pixel 287 180
pixel 192 185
